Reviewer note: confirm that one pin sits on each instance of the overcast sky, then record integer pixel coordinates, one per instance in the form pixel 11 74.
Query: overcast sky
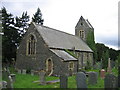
pixel 64 15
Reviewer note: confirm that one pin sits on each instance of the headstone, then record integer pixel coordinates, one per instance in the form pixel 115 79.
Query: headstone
pixel 92 78
pixel 13 77
pixel 81 80
pixel 110 81
pixel 63 81
pixel 10 83
pixel 119 76
pixel 42 78
pixel 102 73
pixel 32 72
pixel 109 66
pixel 23 71
pixel 19 71
pixel 4 84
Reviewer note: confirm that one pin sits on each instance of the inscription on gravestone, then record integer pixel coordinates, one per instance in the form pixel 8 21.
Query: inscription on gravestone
pixel 63 81
pixel 81 80
pixel 110 81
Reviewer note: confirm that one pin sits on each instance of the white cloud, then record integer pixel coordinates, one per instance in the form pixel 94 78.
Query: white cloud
pixel 64 14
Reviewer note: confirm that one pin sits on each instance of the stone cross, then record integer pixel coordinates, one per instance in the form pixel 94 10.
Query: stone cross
pixel 109 66
pixel 92 78
pixel 110 81
pixel 81 80
pixel 63 81
pixel 42 77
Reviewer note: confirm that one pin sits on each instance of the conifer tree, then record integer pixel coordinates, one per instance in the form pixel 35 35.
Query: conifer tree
pixel 22 23
pixel 10 36
pixel 37 17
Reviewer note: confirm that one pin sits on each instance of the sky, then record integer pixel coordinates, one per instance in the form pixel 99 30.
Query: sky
pixel 63 15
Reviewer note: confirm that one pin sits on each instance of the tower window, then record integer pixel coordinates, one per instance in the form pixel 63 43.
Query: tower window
pixel 31 45
pixel 81 34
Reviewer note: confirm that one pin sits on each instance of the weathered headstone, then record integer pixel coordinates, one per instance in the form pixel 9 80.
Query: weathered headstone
pixel 10 83
pixel 110 81
pixel 23 71
pixel 102 73
pixel 19 71
pixel 63 81
pixel 119 76
pixel 92 77
pixel 81 80
pixel 32 72
pixel 42 78
pixel 4 84
pixel 13 77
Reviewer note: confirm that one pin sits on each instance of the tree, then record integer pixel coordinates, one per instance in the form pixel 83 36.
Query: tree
pixel 105 57
pixel 10 36
pixel 22 23
pixel 37 17
pixel 91 43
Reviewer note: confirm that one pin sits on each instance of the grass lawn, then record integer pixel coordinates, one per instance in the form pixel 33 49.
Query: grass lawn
pixel 26 81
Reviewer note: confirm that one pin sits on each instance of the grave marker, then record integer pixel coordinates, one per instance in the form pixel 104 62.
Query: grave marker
pixel 19 71
pixel 63 81
pixel 92 77
pixel 23 71
pixel 32 72
pixel 110 81
pixel 81 80
pixel 42 78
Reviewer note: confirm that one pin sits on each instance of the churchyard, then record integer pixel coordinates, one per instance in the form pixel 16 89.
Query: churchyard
pixel 94 78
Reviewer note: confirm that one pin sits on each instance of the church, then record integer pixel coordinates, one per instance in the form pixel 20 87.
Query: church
pixel 53 51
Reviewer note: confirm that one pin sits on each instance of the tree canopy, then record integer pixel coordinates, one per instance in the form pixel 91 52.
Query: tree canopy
pixel 37 17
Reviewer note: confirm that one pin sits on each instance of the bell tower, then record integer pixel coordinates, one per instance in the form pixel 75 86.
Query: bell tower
pixel 82 28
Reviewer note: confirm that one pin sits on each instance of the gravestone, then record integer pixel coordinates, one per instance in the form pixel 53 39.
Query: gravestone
pixel 23 71
pixel 110 81
pixel 4 84
pixel 19 71
pixel 81 80
pixel 13 77
pixel 42 78
pixel 63 81
pixel 32 72
pixel 92 77
pixel 102 73
pixel 10 83
pixel 119 76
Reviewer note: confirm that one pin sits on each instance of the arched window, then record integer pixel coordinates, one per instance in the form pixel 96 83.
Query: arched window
pixel 31 45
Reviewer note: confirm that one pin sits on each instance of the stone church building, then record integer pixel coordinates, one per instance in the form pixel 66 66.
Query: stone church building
pixel 56 52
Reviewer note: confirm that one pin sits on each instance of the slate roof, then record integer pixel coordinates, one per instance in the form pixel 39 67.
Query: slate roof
pixel 64 55
pixel 58 39
pixel 86 23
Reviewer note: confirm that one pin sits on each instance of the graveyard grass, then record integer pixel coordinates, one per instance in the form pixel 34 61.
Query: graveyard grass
pixel 27 81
